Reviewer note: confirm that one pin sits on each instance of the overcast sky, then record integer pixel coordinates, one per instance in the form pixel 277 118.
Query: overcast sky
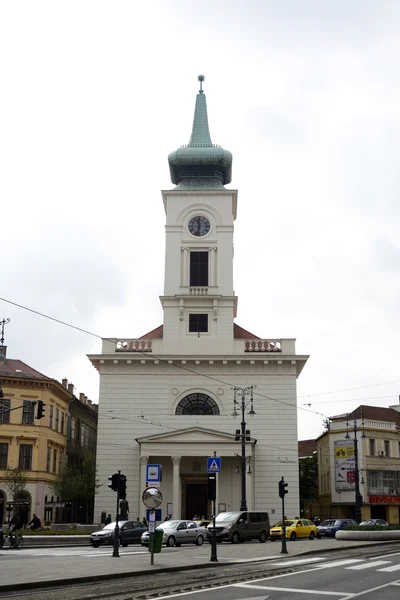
pixel 305 94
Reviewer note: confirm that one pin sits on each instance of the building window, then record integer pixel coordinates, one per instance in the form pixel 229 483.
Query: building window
pixel 197 404
pixel 25 456
pixel 384 483
pixel 199 268
pixel 198 323
pixel 51 417
pixel 5 411
pixel 372 447
pixel 57 418
pixel 73 429
pixel 60 460
pixel 62 423
pixel 3 456
pixel 28 413
pixel 48 459
pixel 387 447
pixel 55 460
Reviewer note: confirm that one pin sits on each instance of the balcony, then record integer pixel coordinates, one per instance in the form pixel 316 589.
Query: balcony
pixel 198 291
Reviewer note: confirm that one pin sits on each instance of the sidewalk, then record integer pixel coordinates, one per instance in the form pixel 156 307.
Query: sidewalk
pixel 90 565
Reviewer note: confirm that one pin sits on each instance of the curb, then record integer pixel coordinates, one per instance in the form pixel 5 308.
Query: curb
pixel 107 576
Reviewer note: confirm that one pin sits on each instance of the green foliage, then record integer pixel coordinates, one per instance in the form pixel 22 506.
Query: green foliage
pixel 15 481
pixel 308 477
pixel 71 485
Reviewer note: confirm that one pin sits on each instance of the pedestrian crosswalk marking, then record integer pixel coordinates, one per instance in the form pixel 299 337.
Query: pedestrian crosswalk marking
pixel 340 563
pixel 369 565
pixel 390 569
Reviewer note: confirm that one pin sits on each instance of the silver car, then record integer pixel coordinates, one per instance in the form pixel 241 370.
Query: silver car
pixel 179 532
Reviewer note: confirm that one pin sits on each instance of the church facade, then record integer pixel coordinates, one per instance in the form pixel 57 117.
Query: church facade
pixel 167 397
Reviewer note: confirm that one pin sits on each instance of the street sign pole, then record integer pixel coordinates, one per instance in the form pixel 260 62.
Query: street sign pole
pixel 214 466
pixel 152 498
pixel 116 530
pixel 152 531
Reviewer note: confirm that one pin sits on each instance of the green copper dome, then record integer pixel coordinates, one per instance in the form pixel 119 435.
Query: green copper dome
pixel 200 164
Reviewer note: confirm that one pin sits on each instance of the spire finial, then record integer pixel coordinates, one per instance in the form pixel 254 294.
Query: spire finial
pixel 201 79
pixel 2 323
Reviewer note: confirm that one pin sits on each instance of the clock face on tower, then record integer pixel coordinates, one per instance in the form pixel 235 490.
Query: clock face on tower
pixel 199 226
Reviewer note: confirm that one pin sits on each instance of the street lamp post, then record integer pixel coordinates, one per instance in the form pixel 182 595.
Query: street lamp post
pixel 243 434
pixel 359 499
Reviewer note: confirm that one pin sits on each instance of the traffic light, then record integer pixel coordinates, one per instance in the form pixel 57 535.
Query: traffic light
pixel 212 486
pixel 40 410
pixel 248 437
pixel 122 487
pixel 237 435
pixel 114 481
pixel 282 486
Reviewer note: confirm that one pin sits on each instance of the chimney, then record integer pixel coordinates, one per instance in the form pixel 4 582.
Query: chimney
pixel 82 398
pixel 71 388
pixel 89 402
pixel 3 351
pixel 64 383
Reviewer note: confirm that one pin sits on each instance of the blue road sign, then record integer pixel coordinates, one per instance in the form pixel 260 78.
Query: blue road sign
pixel 158 514
pixel 153 473
pixel 214 464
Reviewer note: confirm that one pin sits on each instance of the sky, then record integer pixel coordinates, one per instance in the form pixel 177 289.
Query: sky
pixel 306 96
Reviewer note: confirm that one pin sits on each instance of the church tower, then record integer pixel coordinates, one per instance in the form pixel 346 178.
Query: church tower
pixel 199 301
pixel 168 397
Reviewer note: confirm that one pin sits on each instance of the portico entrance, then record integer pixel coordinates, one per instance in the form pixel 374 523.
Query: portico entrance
pixel 194 497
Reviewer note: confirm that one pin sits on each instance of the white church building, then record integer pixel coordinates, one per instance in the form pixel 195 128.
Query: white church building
pixel 167 397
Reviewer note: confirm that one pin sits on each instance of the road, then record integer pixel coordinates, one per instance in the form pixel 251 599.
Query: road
pixel 249 571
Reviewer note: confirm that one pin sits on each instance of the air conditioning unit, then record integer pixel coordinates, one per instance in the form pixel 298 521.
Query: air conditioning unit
pixel 382 453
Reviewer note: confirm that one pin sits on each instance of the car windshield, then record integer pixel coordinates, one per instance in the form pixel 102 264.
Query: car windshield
pixel 338 522
pixel 328 522
pixel 169 524
pixel 227 517
pixel 112 525
pixel 287 524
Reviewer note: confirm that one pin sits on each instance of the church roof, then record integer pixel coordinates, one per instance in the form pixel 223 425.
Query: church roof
pixel 238 333
pixel 201 164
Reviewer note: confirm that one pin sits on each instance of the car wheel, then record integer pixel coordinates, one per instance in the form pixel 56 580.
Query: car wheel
pixel 170 541
pixel 292 536
pixel 263 537
pixel 200 540
pixel 96 545
pixel 312 535
pixel 235 538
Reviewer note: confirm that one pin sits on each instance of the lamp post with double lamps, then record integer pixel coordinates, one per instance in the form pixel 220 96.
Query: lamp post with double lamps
pixel 359 499
pixel 243 434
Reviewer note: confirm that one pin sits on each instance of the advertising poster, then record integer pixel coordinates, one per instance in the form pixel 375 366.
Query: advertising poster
pixel 344 465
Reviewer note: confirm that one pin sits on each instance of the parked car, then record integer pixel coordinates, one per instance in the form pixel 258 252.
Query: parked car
pixel 322 528
pixel 295 528
pixel 379 522
pixel 238 526
pixel 331 530
pixel 203 522
pixel 130 532
pixel 177 532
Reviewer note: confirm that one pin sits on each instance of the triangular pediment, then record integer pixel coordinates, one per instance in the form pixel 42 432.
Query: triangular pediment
pixel 191 435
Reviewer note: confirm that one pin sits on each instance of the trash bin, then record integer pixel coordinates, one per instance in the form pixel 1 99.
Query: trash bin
pixel 158 538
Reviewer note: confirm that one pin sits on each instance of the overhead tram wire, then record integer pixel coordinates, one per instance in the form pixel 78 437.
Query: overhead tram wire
pixel 155 356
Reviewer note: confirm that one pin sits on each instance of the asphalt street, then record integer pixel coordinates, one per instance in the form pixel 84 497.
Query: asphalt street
pixel 253 570
pixel 317 577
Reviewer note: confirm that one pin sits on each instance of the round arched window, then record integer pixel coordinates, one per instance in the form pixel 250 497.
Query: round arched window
pixel 197 404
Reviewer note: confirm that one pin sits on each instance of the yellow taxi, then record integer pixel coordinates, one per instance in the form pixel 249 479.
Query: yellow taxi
pixel 295 528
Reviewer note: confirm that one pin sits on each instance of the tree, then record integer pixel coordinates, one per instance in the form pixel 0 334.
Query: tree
pixel 88 483
pixel 308 477
pixel 78 486
pixel 15 481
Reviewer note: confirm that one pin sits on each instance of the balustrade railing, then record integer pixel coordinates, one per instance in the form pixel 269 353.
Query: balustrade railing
pixel 198 291
pixel 134 346
pixel 262 346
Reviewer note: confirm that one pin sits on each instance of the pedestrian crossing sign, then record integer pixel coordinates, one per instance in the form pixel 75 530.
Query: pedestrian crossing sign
pixel 214 464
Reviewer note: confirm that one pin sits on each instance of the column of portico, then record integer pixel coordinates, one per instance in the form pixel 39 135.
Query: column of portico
pixel 176 487
pixel 142 481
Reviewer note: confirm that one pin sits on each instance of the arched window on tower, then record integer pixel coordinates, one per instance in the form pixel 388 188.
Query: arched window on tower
pixel 197 404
